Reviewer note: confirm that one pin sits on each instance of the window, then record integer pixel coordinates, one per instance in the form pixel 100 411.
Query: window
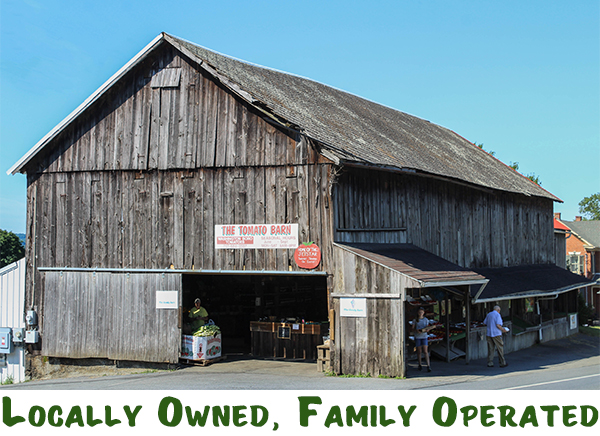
pixel 575 262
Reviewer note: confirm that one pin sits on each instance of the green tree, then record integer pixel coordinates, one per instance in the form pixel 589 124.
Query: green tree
pixel 491 153
pixel 11 248
pixel 535 179
pixel 589 207
pixel 514 166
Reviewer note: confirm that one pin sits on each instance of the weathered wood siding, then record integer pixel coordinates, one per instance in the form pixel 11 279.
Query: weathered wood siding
pixel 156 219
pixel 143 176
pixel 469 227
pixel 142 125
pixel 104 315
pixel 373 345
pixel 125 219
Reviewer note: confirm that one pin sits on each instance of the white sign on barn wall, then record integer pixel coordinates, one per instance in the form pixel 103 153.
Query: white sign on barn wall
pixel 248 236
pixel 167 299
pixel 353 307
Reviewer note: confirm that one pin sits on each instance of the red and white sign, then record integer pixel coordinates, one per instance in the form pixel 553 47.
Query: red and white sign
pixel 308 255
pixel 231 236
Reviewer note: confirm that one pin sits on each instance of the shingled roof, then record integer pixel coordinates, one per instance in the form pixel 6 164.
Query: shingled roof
pixel 589 231
pixel 349 128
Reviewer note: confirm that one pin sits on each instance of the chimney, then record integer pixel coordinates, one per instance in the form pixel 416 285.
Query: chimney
pixel 557 216
pixel 577 218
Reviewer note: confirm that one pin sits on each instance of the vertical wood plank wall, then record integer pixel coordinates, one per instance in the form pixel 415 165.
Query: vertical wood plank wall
pixel 150 169
pixel 113 316
pixel 466 226
pixel 375 344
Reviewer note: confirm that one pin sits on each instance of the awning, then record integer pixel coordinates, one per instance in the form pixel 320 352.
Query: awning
pixel 527 281
pixel 420 265
pixel 494 284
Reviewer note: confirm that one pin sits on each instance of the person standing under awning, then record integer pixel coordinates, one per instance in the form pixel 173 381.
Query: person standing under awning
pixel 493 322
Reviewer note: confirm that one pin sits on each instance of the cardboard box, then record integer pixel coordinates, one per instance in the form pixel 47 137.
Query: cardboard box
pixel 200 347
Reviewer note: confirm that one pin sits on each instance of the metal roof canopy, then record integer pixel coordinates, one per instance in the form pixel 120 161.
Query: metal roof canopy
pixel 426 269
pixel 528 281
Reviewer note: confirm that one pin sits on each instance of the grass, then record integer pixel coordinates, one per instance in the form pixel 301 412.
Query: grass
pixel 361 375
pixel 333 374
pixel 590 330
pixel 8 380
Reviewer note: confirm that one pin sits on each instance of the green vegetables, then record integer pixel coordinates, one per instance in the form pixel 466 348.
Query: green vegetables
pixel 208 330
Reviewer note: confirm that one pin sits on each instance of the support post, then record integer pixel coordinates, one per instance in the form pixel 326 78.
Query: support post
pixel 447 322
pixel 467 322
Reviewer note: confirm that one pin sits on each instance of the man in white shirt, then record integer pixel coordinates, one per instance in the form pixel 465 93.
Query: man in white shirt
pixel 493 321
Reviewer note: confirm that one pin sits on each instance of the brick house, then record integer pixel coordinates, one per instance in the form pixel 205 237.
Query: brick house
pixel 582 253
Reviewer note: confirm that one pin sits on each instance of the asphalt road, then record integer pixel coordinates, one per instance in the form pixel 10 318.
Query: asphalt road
pixel 568 364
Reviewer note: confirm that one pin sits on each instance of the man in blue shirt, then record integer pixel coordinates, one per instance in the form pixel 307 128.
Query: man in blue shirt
pixel 493 321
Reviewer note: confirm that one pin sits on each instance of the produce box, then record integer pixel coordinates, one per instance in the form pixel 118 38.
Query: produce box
pixel 200 347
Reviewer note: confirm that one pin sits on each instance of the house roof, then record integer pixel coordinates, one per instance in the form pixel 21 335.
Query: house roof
pixel 349 128
pixel 560 226
pixel 420 265
pixel 588 231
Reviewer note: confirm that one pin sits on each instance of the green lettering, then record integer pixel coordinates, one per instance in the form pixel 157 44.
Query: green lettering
pixel 437 411
pixel 305 412
pixel 108 419
pixel 334 416
pixel 198 418
pixel 264 417
pixel 220 415
pixel 382 419
pixel 469 413
pixel 7 417
pixel 238 416
pixel 528 417
pixel 132 415
pixel 584 416
pixel 486 416
pixel 90 417
pixel 361 417
pixel 406 415
pixel 506 416
pixel 163 408
pixel 567 416
pixel 41 416
pixel 550 412
pixel 52 416
pixel 373 416
pixel 75 417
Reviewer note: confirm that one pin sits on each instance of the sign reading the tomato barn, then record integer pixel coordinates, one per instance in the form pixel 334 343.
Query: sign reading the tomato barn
pixel 256 236
pixel 307 255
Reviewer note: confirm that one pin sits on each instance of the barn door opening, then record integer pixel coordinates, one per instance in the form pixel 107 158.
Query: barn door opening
pixel 234 300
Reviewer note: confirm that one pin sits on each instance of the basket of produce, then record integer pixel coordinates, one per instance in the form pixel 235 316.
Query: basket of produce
pixel 207 330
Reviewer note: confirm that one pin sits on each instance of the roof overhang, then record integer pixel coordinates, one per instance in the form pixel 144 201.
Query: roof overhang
pixel 527 281
pixel 424 269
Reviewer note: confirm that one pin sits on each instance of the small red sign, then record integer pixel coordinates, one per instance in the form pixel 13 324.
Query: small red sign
pixel 307 255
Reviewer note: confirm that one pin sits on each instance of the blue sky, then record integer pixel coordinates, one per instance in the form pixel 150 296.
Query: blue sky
pixel 520 77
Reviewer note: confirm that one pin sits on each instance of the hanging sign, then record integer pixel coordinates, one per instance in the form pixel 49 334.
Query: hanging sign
pixel 307 255
pixel 167 299
pixel 256 236
pixel 353 307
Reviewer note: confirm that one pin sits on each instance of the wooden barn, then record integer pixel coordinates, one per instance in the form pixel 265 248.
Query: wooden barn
pixel 198 174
